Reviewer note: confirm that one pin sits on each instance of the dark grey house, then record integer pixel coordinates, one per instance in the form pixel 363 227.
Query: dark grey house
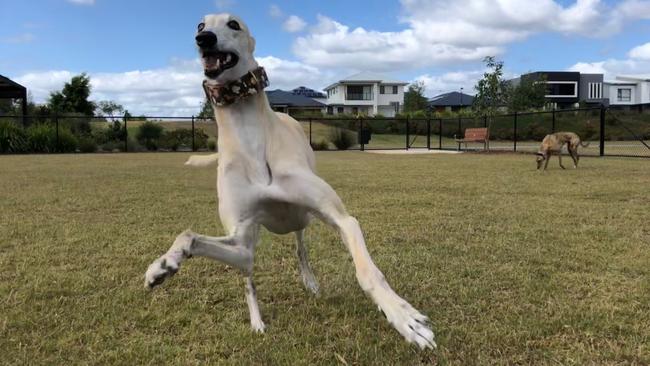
pixel 450 102
pixel 566 89
pixel 293 104
pixel 10 89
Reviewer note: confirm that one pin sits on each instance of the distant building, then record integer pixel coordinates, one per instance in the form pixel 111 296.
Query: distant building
pixel 366 93
pixel 450 102
pixel 10 89
pixel 566 89
pixel 629 93
pixel 293 104
pixel 311 93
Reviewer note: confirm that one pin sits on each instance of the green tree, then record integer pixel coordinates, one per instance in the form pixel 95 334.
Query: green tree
pixel 109 107
pixel 414 99
pixel 528 94
pixel 73 98
pixel 206 110
pixel 149 134
pixel 490 90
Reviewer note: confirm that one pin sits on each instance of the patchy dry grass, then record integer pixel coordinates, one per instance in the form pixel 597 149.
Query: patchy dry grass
pixel 512 266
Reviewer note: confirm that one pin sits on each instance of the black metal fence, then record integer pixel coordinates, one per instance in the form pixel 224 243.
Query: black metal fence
pixel 608 133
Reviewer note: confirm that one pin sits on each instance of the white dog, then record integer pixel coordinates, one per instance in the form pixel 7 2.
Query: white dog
pixel 266 177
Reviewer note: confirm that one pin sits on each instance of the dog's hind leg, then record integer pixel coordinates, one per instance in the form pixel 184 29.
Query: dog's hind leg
pixel 308 278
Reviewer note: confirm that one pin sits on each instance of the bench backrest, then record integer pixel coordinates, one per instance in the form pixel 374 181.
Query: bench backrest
pixel 476 134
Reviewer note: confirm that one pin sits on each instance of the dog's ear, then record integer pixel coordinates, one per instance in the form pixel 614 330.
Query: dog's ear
pixel 251 44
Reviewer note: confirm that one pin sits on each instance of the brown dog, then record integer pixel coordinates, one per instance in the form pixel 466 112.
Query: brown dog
pixel 553 144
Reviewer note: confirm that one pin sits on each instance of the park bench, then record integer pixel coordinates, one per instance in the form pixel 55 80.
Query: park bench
pixel 475 135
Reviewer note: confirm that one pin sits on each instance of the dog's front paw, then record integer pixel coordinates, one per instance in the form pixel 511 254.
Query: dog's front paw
pixel 168 264
pixel 159 270
pixel 258 326
pixel 409 322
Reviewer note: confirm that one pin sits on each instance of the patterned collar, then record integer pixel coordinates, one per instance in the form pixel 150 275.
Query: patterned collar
pixel 251 83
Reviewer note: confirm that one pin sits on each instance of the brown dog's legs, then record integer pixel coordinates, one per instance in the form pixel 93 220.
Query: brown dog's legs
pixel 547 158
pixel 574 156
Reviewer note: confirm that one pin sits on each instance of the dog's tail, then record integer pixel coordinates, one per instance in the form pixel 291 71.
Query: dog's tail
pixel 202 160
pixel 584 144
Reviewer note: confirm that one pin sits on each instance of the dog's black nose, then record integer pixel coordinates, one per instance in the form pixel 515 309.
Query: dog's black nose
pixel 206 39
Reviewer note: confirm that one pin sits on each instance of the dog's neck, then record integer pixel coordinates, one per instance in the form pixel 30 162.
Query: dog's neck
pixel 243 126
pixel 251 83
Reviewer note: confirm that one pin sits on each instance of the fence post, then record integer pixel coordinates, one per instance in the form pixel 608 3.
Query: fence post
pixel 56 122
pixel 440 133
pixel 428 133
pixel 407 132
pixel 515 132
pixel 126 135
pixel 459 132
pixel 602 130
pixel 553 123
pixel 310 144
pixel 361 135
pixel 193 145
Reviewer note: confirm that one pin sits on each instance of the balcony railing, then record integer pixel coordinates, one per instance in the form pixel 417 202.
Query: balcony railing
pixel 358 96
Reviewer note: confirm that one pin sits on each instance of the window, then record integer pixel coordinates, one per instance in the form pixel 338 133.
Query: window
pixel 330 110
pixel 561 89
pixel 339 110
pixel 355 110
pixel 395 106
pixel 595 90
pixel 359 92
pixel 388 89
pixel 624 95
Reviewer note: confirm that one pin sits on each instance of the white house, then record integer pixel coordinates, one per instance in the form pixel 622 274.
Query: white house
pixel 366 93
pixel 628 92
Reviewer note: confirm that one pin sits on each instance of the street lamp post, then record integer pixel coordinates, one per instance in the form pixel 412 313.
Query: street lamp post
pixel 461 99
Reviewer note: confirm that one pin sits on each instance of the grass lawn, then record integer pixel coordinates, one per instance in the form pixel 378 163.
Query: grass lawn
pixel 512 266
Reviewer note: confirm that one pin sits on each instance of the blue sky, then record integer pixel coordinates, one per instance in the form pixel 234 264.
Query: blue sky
pixel 141 53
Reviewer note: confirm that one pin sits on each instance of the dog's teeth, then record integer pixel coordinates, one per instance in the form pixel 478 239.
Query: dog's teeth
pixel 228 58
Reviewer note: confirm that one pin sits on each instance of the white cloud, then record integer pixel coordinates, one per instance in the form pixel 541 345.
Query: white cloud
pixel 641 52
pixel 275 11
pixel 332 44
pixel 614 67
pixel 170 91
pixel 82 2
pixel 294 24
pixel 450 81
pixel 20 38
pixel 223 4
pixel 441 32
pixel 637 64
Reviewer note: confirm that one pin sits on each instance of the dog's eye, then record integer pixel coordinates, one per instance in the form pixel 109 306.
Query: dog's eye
pixel 201 26
pixel 233 25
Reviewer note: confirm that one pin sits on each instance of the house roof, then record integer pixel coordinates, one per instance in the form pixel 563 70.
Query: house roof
pixel 311 93
pixel 284 98
pixel 11 89
pixel 452 99
pixel 367 77
pixel 635 78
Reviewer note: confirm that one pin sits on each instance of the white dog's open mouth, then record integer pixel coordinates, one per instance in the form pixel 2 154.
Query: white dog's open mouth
pixel 216 62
